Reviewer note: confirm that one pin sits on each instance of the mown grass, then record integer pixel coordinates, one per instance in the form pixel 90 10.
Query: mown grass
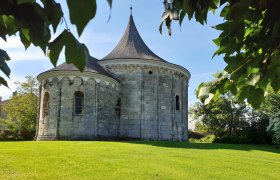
pixel 137 160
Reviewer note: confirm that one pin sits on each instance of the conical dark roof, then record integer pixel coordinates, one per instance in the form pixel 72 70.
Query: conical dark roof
pixel 92 66
pixel 132 46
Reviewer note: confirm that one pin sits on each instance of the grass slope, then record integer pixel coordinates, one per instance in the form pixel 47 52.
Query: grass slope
pixel 137 160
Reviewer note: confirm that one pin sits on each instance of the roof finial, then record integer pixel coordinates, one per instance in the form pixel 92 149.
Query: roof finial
pixel 130 9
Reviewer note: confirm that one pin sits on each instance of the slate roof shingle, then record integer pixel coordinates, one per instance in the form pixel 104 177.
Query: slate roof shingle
pixel 92 66
pixel 132 46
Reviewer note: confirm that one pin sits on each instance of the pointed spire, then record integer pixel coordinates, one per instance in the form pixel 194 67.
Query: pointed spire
pixel 131 10
pixel 131 45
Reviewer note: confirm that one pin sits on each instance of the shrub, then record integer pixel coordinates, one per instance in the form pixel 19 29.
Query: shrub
pixel 195 135
pixel 207 139
pixel 232 140
pixel 274 128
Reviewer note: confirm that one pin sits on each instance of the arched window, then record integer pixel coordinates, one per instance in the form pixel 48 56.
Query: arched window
pixel 78 103
pixel 46 104
pixel 177 102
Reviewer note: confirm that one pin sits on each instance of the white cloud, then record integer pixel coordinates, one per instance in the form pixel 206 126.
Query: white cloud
pixel 203 75
pixel 191 123
pixel 21 55
pixel 5 92
pixel 12 42
pixel 17 52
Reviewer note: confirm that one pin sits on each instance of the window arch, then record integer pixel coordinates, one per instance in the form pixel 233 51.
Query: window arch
pixel 78 102
pixel 177 102
pixel 46 104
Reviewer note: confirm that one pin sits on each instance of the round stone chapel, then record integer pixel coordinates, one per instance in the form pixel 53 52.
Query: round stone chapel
pixel 129 94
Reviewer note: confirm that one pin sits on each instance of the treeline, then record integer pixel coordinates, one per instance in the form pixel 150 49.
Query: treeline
pixel 229 121
pixel 18 114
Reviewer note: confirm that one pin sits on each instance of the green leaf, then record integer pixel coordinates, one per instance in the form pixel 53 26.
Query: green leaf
pixel 55 47
pixel 3 65
pixel 216 96
pixel 10 25
pixel 224 11
pixel 110 2
pixel 53 11
pixel 233 63
pixel 248 31
pixel 81 12
pixel 182 16
pixel 25 37
pixel 276 30
pixel 25 1
pixel 3 31
pixel 274 73
pixel 208 99
pixel 274 77
pixel 256 97
pixel 160 27
pixel 168 25
pixel 253 79
pixel 203 90
pixel 230 86
pixel 217 41
pixel 3 82
pixel 243 93
pixel 75 52
pixel 32 17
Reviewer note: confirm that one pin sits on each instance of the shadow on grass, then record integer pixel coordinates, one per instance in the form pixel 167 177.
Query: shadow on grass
pixel 186 145
pixel 209 146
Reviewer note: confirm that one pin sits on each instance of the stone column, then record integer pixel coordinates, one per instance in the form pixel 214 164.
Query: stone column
pixel 96 108
pixel 158 124
pixel 142 103
pixel 187 107
pixel 59 108
pixel 38 111
pixel 182 109
pixel 173 107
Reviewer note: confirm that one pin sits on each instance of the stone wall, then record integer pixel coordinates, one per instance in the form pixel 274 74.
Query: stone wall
pixel 107 116
pixel 148 101
pixel 142 106
pixel 98 117
pixel 48 123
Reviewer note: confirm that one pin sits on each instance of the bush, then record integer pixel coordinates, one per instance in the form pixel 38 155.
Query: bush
pixel 274 128
pixel 207 139
pixel 232 140
pixel 195 135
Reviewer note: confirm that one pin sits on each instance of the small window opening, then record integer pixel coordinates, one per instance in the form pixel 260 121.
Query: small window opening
pixel 150 72
pixel 46 102
pixel 177 102
pixel 78 103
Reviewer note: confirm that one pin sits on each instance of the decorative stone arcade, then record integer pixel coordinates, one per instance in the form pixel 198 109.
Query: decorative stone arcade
pixel 130 93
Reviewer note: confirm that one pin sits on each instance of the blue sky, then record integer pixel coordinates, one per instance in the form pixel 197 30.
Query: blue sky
pixel 190 46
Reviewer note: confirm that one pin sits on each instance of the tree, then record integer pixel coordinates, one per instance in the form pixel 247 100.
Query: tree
pixel 21 110
pixel 250 126
pixel 223 118
pixel 274 128
pixel 271 107
pixel 249 41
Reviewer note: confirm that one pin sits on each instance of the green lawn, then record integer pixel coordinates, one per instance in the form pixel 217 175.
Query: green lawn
pixel 137 160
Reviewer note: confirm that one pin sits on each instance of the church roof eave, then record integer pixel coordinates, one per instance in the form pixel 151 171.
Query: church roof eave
pixel 92 67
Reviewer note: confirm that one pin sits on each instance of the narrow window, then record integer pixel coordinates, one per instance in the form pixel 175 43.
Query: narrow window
pixel 46 102
pixel 177 102
pixel 78 103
